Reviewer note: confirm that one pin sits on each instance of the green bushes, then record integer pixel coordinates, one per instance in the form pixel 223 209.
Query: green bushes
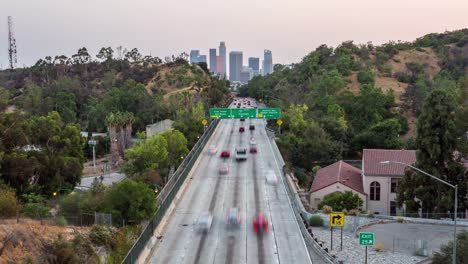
pixel 35 206
pixel 366 76
pixel 101 235
pixel 339 201
pixel 8 202
pixel 445 254
pixel 61 221
pixel 316 220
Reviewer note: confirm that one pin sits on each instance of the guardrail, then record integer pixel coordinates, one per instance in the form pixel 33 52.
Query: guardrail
pixel 167 194
pixel 299 210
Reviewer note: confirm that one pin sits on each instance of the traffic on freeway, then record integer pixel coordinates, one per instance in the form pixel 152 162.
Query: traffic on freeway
pixel 235 208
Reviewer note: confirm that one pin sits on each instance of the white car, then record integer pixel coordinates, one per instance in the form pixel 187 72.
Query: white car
pixel 253 141
pixel 212 150
pixel 224 169
pixel 270 177
pixel 204 222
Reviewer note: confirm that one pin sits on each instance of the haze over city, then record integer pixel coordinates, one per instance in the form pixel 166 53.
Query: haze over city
pixel 290 29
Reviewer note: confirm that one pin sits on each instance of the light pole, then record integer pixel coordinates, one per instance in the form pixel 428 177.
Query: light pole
pixel 454 250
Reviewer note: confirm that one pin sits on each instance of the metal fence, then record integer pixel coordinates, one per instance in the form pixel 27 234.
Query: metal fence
pixel 315 250
pixel 167 194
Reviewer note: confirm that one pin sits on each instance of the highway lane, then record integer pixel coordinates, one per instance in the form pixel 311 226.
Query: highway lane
pixel 243 187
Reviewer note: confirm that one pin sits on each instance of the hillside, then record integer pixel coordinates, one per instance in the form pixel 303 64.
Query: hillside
pixel 83 89
pixel 337 101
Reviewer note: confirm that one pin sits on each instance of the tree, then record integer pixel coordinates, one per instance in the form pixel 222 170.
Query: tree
pixel 133 56
pixel 32 101
pixel 146 156
pixel 366 76
pixel 340 201
pixel 383 135
pixel 445 254
pixel 436 144
pixel 176 147
pixel 8 203
pixel 130 201
pixel 4 97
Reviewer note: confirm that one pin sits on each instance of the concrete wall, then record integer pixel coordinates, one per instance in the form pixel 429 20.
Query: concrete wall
pixel 317 197
pixel 382 206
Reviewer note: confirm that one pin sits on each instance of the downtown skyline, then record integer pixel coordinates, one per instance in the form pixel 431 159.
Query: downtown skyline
pixel 291 29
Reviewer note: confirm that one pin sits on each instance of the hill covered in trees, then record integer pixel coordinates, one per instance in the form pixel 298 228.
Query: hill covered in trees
pixel 337 101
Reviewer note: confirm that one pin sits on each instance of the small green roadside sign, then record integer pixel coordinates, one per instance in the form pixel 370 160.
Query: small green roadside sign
pixel 366 239
pixel 269 113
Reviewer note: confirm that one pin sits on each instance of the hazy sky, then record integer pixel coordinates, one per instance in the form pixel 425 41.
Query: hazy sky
pixel 290 28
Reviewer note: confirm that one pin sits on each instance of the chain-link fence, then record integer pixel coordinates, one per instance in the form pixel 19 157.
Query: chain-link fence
pixel 167 194
pixel 79 219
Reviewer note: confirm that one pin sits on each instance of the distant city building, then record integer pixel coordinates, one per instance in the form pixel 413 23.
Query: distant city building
pixel 194 54
pixel 195 57
pixel 220 62
pixel 246 74
pixel 202 58
pixel 267 62
pixel 254 64
pixel 235 65
pixel 222 53
pixel 213 61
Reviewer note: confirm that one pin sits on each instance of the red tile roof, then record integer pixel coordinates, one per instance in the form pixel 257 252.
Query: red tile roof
pixel 372 157
pixel 340 172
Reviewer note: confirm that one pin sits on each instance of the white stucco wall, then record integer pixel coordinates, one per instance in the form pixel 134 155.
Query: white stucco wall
pixel 382 206
pixel 336 187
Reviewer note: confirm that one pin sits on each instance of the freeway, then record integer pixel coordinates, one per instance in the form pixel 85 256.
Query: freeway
pixel 244 187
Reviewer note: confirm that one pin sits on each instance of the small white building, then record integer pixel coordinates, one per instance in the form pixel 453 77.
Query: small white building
pixel 381 180
pixel 337 177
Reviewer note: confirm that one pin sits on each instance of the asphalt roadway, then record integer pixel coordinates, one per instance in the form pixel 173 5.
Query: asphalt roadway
pixel 243 187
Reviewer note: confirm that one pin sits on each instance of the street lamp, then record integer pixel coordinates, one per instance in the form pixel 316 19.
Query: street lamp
pixel 454 251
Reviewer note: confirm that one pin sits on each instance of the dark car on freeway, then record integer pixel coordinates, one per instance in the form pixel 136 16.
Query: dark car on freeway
pixel 241 129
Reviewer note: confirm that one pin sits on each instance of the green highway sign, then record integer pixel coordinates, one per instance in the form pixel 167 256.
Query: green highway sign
pixel 220 112
pixel 269 113
pixel 244 113
pixel 366 239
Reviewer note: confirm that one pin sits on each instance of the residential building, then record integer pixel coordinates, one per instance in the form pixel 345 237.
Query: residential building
pixel 213 60
pixel 222 53
pixel 254 63
pixel 267 62
pixel 194 54
pixel 381 180
pixel 235 65
pixel 337 177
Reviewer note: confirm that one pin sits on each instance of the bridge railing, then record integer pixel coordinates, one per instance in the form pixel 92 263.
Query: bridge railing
pixel 298 208
pixel 167 194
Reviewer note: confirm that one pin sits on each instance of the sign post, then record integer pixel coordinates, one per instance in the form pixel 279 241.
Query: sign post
pixel 336 219
pixel 93 143
pixel 366 239
pixel 279 122
pixel 204 122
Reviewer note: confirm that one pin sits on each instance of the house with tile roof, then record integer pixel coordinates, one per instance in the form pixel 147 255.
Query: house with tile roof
pixel 337 177
pixel 380 181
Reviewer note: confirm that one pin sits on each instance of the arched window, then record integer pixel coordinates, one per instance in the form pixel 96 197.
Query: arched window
pixel 375 191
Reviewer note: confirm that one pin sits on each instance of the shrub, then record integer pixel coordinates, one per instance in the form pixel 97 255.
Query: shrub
pixel 316 220
pixel 35 206
pixel 61 221
pixel 445 253
pixel 379 247
pixel 339 201
pixel 370 214
pixel 366 77
pixel 101 235
pixel 344 211
pixel 8 202
pixel 400 220
pixel 353 212
pixel 327 209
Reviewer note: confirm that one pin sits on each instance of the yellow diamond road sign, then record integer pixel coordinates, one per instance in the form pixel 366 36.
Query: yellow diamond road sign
pixel 279 122
pixel 260 115
pixel 337 219
pixel 204 121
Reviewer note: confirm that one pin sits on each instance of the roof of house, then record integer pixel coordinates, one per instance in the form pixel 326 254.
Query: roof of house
pixel 371 159
pixel 338 172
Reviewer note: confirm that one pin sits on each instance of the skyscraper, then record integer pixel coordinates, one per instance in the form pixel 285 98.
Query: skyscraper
pixel 194 54
pixel 201 58
pixel 213 67
pixel 267 62
pixel 235 65
pixel 220 67
pixel 222 53
pixel 254 63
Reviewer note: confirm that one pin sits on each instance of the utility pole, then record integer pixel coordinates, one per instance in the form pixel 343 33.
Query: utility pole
pixel 11 44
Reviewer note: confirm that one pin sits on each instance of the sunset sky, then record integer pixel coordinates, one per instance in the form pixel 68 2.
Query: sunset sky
pixel 290 28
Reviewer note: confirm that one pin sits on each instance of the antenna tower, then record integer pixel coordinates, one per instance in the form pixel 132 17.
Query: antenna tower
pixel 11 44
